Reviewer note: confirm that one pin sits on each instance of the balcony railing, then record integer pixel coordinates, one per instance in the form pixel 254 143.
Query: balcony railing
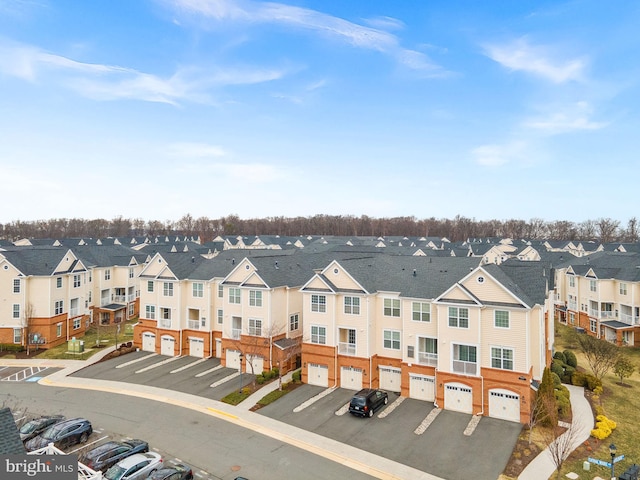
pixel 629 319
pixel 119 298
pixel 593 313
pixel 608 314
pixel 193 324
pixel 165 323
pixel 345 348
pixel 572 305
pixel 430 359
pixel 235 333
pixel 131 297
pixel 467 368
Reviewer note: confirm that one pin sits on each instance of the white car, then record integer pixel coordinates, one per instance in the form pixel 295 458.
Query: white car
pixel 137 466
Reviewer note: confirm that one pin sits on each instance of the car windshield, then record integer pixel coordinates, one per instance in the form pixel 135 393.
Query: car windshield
pixel 52 432
pixel 29 427
pixel 114 473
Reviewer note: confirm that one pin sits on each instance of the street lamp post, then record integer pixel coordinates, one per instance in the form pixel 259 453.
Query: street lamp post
pixel 241 372
pixel 612 451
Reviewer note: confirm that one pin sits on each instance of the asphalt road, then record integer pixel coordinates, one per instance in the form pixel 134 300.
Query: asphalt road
pixel 220 448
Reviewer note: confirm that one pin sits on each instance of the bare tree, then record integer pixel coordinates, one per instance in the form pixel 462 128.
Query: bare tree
pixel 600 354
pixel 27 321
pixel 561 442
pixel 607 229
pixel 631 235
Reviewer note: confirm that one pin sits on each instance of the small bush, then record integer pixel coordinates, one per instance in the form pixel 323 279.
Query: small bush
pixel 260 379
pixel 570 358
pixel 276 372
pixel 593 382
pixel 11 347
pixel 598 390
pixel 560 356
pixel 557 368
pixel 604 427
pixel 578 379
pixel 563 402
pixel 556 379
pixel 296 376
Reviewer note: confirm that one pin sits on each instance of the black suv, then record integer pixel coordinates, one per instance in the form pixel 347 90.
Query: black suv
pixel 367 401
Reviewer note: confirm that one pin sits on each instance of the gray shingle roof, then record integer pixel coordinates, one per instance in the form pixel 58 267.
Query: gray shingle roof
pixel 10 443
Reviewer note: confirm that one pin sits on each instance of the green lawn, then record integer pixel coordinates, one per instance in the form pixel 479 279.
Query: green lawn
pixel 621 404
pixel 95 339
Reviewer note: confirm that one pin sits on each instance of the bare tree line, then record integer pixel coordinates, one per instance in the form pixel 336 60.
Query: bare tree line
pixel 460 228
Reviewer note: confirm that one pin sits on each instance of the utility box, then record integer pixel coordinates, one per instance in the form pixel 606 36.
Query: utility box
pixel 586 466
pixel 75 346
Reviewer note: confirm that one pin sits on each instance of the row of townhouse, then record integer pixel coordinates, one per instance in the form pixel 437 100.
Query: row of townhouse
pixel 468 337
pixel 50 294
pixel 600 295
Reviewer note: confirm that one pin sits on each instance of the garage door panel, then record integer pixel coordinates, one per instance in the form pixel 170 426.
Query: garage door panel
pixel 196 347
pixel 167 346
pixel 318 375
pixel 148 342
pixel 351 378
pixel 458 397
pixel 390 379
pixel 232 358
pixel 422 387
pixel 504 404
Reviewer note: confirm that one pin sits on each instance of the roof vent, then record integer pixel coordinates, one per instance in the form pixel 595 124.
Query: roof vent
pixel 276 265
pixel 233 261
pixel 414 272
pixel 193 259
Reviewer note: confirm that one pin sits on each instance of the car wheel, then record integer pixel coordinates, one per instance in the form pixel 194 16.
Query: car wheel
pixel 371 412
pixel 386 400
pixel 83 438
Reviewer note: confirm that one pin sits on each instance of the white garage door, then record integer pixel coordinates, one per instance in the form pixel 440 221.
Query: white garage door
pixel 148 342
pixel 318 375
pixel 233 359
pixel 257 362
pixel 390 379
pixel 504 404
pixel 196 347
pixel 458 397
pixel 422 387
pixel 351 378
pixel 167 345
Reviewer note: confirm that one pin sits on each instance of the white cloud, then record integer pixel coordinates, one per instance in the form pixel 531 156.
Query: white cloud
pixel 107 82
pixel 537 60
pixel 359 36
pixel 498 155
pixel 572 118
pixel 194 150
pixel 385 23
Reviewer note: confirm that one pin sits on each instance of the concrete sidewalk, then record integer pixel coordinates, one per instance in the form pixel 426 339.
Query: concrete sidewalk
pixel 256 396
pixel 542 467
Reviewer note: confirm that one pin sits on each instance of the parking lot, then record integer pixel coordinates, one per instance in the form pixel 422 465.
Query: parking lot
pixel 24 374
pixel 448 444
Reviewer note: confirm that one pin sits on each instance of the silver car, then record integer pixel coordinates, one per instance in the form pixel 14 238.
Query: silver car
pixel 137 466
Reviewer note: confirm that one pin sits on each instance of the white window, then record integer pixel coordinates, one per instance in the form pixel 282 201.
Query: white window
pixel 391 339
pixel 391 307
pixel 150 312
pixel 234 295
pixel 465 359
pixel 220 291
pixel 76 281
pixel 318 303
pixel 255 298
pixel 428 351
pixel 73 307
pixel 59 307
pixel 107 274
pixel 17 335
pixel 150 286
pixel 623 288
pixel 132 309
pixel 76 323
pixel 458 317
pixel 165 317
pixel 572 281
pixel 198 290
pixel 421 312
pixel 352 305
pixel 318 334
pixel 501 319
pixel 593 285
pixel 572 318
pixel 593 325
pixel 294 322
pixel 167 289
pixel 220 316
pixel 255 327
pixel 502 358
pixel 59 282
pixel 59 330
pixel 131 272
pixel 16 310
pixel 16 285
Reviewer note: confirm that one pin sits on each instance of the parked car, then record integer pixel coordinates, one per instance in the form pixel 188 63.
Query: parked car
pixel 367 401
pixel 104 456
pixel 35 427
pixel 137 466
pixel 180 471
pixel 62 435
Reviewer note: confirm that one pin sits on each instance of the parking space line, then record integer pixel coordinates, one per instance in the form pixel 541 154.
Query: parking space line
pixel 225 379
pixel 202 374
pixel 427 421
pixel 192 364
pixel 344 409
pixel 313 400
pixel 473 423
pixel 392 407
pixel 159 364
pixel 24 374
pixel 131 362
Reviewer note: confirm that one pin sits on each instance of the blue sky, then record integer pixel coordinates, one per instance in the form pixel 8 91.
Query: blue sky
pixel 156 108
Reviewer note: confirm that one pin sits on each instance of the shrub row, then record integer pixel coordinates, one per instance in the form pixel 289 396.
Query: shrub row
pixel 11 347
pixel 267 375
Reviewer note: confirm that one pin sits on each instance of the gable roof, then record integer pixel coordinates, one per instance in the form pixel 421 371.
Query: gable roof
pixel 10 443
